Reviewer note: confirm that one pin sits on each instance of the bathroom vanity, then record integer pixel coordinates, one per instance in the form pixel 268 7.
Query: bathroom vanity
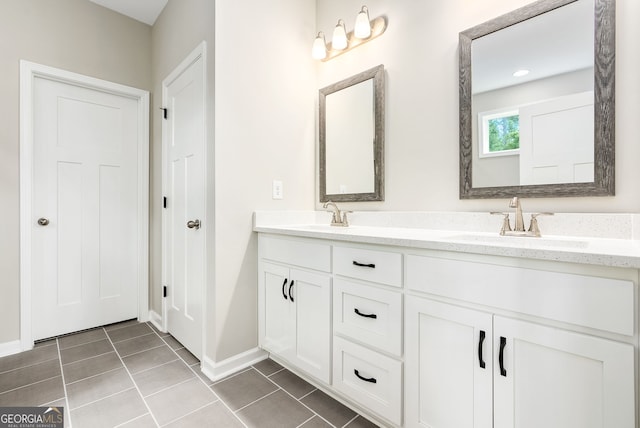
pixel 421 327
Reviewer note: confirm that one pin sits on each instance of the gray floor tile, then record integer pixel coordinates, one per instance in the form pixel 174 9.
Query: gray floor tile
pixel 150 358
pixel 239 390
pixel 45 342
pixel 35 394
pixel 80 338
pixel 267 367
pixel 98 387
pixel 161 377
pixel 122 324
pixel 330 409
pixel 144 421
pixel 79 370
pixel 277 410
pixel 138 344
pixel 361 422
pixel 27 375
pixel 180 400
pixel 172 342
pixel 187 356
pixel 214 415
pixel 291 383
pixel 110 411
pixel 316 422
pixel 37 355
pixel 87 350
pixel 129 332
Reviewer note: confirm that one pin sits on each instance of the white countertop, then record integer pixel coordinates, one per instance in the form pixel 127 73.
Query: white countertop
pixel 572 249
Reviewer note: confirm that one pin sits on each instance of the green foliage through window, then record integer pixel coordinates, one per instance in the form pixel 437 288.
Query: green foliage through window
pixel 504 133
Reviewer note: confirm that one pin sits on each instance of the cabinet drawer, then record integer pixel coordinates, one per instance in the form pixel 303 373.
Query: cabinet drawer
pixel 368 314
pixel 369 378
pixel 370 265
pixel 590 301
pixel 306 254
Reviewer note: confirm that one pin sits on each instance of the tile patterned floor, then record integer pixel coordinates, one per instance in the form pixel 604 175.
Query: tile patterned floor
pixel 132 375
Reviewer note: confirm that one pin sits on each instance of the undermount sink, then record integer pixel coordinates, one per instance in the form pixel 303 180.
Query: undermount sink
pixel 319 227
pixel 522 241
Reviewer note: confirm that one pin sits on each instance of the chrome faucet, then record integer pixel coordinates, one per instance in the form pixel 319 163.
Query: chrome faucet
pixel 515 203
pixel 339 218
pixel 519 230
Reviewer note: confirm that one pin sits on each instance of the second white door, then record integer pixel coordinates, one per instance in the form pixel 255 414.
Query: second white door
pixel 185 189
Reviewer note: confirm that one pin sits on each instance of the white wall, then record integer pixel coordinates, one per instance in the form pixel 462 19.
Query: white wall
pixel 74 35
pixel 420 54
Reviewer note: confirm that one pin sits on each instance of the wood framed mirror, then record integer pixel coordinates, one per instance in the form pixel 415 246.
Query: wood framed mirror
pixel 351 138
pixel 568 46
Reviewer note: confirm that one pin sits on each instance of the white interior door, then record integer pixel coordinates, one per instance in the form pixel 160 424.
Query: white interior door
pixel 85 208
pixel 185 224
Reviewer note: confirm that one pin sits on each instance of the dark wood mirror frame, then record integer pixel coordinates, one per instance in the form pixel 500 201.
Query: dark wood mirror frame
pixel 604 106
pixel 377 74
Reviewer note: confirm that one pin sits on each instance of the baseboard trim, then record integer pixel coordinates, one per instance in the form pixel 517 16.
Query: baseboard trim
pixel 10 348
pixel 217 370
pixel 156 320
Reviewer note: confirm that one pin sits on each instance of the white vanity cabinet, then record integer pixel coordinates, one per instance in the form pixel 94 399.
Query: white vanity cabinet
pixel 295 304
pixel 473 368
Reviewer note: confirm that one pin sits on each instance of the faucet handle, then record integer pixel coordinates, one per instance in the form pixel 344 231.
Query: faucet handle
pixel 506 225
pixel 345 220
pixel 533 227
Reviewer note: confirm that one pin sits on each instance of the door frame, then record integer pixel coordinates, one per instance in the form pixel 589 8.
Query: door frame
pixel 29 71
pixel 200 52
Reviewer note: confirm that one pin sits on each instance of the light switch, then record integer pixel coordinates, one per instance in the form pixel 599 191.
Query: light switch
pixel 277 189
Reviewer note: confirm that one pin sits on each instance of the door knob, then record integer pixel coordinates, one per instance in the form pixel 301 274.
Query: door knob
pixel 43 221
pixel 193 224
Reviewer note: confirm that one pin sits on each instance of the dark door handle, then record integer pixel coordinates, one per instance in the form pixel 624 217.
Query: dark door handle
pixel 503 343
pixel 374 316
pixel 283 285
pixel 290 287
pixel 368 265
pixel 366 379
pixel 480 343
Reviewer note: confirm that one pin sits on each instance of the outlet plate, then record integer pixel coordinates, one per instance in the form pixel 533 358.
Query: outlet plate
pixel 277 192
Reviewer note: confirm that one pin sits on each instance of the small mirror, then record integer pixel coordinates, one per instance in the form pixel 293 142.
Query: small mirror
pixel 537 102
pixel 352 138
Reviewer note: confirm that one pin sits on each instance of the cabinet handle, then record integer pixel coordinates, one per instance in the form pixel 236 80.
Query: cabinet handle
pixel 366 379
pixel 369 265
pixel 503 343
pixel 283 285
pixel 290 287
pixel 480 343
pixel 374 316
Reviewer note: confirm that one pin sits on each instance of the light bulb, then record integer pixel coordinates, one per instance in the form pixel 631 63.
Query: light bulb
pixel 339 40
pixel 319 49
pixel 362 28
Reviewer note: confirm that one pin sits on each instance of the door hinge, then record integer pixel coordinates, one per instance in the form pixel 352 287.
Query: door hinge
pixel 164 202
pixel 164 112
pixel 164 291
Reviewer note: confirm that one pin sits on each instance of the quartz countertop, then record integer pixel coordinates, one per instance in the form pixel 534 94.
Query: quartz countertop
pixel 573 249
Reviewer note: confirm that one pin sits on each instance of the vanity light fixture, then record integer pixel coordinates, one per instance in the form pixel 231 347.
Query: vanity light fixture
pixel 319 49
pixel 339 40
pixel 520 73
pixel 364 31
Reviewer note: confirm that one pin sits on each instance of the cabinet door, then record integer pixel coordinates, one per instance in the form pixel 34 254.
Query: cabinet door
pixel 448 366
pixel 557 379
pixel 277 325
pixel 311 297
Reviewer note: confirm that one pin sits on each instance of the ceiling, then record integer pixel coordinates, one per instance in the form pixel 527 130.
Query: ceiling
pixel 146 11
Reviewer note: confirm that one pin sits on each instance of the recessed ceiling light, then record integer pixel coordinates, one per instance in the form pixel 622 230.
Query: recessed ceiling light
pixel 521 73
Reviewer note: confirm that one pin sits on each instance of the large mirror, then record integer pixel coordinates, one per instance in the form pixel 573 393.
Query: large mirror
pixel 537 98
pixel 351 132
